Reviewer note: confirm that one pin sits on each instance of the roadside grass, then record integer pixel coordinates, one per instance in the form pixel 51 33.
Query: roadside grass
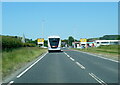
pixel 0 66
pixel 15 59
pixel 110 51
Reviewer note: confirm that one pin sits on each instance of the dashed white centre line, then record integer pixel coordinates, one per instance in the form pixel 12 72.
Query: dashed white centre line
pixel 67 55
pixel 31 66
pixel 72 59
pixel 11 82
pixel 80 65
pixel 97 79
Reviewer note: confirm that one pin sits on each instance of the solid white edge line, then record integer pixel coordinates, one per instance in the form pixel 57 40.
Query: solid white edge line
pixel 10 82
pixel 99 56
pixel 80 65
pixel 97 79
pixel 31 66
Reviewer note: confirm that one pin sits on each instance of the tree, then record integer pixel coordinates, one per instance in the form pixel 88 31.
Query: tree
pixel 70 40
pixel 45 43
pixel 118 38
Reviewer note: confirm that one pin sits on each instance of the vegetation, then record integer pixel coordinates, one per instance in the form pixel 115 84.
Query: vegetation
pixel 0 68
pixel 9 42
pixel 70 40
pixel 16 54
pixel 15 59
pixel 110 37
pixel 13 42
pixel 46 43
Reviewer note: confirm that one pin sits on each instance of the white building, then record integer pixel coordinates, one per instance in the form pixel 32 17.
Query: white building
pixel 76 44
pixel 106 42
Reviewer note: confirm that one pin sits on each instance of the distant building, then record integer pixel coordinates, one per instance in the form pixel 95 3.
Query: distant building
pixel 106 42
pixel 86 43
pixel 76 44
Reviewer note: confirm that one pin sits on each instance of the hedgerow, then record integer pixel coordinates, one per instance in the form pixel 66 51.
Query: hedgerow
pixel 11 42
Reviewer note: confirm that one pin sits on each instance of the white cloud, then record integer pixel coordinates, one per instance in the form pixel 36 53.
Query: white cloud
pixel 60 0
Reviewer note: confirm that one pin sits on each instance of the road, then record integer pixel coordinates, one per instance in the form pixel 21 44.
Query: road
pixel 70 66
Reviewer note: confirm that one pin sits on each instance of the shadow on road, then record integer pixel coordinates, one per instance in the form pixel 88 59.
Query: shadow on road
pixel 55 51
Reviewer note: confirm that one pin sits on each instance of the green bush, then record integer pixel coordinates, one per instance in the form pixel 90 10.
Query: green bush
pixel 9 42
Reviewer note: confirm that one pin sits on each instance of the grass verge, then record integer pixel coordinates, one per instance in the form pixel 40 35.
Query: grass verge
pixel 15 59
pixel 0 67
pixel 110 51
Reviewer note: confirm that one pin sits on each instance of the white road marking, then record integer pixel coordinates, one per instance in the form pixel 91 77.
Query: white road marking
pixel 72 59
pixel 67 54
pixel 31 66
pixel 80 65
pixel 98 56
pixel 64 52
pixel 97 79
pixel 108 59
pixel 10 82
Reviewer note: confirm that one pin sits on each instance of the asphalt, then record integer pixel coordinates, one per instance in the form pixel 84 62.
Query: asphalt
pixel 71 66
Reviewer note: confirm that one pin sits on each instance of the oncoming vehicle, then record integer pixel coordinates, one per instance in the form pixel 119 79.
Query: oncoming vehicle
pixel 54 43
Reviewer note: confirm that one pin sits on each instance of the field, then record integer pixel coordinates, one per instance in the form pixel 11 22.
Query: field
pixel 110 51
pixel 16 58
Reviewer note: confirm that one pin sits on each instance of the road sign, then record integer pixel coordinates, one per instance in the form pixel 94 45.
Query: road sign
pixel 40 41
pixel 83 40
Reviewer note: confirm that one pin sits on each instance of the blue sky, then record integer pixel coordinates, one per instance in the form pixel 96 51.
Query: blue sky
pixel 60 0
pixel 77 19
pixel 0 18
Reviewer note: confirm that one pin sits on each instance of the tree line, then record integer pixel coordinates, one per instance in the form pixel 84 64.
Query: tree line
pixel 11 42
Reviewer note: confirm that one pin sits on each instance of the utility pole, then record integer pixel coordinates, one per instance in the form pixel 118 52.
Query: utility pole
pixel 43 30
pixel 74 34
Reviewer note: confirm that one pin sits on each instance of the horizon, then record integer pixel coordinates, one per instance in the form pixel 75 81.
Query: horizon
pixel 61 39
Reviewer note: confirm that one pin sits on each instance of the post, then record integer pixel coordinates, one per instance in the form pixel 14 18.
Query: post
pixel 43 30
